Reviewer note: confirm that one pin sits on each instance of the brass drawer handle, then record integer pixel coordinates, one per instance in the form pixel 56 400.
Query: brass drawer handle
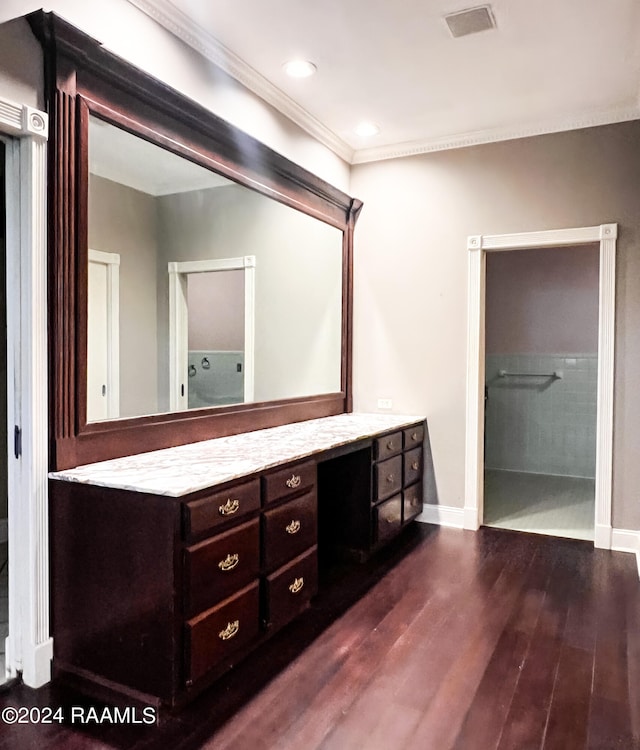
pixel 415 466
pixel 390 478
pixel 390 445
pixel 230 631
pixel 229 508
pixel 229 563
pixel 414 437
pixel 293 527
pixel 293 481
pixel 297 585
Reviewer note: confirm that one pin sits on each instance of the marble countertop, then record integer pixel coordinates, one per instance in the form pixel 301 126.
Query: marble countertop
pixel 187 468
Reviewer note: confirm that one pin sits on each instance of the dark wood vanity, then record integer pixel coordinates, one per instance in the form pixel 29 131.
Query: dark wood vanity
pixel 156 597
pixel 164 575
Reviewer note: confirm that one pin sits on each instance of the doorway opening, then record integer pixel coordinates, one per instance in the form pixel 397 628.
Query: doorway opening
pixel 211 332
pixel 541 365
pixel 479 246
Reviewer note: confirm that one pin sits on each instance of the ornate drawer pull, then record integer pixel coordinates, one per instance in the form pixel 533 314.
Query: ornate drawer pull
pixel 390 478
pixel 229 563
pixel 415 466
pixel 297 585
pixel 229 508
pixel 293 527
pixel 414 437
pixel 293 481
pixel 390 445
pixel 229 632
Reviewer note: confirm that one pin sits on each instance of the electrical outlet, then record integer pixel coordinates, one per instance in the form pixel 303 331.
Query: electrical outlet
pixel 384 403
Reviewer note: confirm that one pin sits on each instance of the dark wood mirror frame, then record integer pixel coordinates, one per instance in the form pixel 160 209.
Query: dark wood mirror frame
pixel 82 78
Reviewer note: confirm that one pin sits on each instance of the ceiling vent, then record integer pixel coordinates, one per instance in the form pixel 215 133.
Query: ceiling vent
pixel 470 21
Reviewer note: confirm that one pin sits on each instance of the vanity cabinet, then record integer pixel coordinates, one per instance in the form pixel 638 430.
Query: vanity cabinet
pixel 156 596
pixel 356 523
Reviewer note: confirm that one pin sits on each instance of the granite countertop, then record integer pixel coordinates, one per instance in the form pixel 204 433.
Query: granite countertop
pixel 187 468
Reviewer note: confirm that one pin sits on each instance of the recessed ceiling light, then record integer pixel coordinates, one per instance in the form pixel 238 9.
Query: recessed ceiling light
pixel 367 129
pixel 299 68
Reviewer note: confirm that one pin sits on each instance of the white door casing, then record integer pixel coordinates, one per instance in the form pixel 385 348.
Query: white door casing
pixel 103 337
pixel 179 317
pixel 605 235
pixel 29 646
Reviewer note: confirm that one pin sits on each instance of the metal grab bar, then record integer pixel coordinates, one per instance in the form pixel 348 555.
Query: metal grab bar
pixel 556 374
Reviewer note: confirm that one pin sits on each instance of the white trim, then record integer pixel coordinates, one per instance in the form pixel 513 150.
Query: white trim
pixel 624 540
pixel 29 647
pixel 477 246
pixel 112 263
pixel 572 121
pixel 178 322
pixel 179 24
pixel 442 515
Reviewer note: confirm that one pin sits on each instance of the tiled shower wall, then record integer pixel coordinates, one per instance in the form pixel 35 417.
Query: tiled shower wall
pixel 541 425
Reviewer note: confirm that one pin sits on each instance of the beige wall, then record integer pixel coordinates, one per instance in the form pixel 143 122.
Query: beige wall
pixel 411 275
pixel 216 310
pixel 542 301
pixel 122 220
pixel 21 69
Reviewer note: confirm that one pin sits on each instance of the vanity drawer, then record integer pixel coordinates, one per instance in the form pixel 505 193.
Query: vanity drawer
pixel 289 530
pixel 388 477
pixel 412 501
pixel 412 466
pixel 218 567
pixel 289 590
pixel 413 436
pixel 388 518
pixel 388 445
pixel 221 631
pixel 287 481
pixel 207 513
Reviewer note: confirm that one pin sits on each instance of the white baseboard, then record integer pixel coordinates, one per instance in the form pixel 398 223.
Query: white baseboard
pixel 602 536
pixel 442 515
pixel 4 530
pixel 625 540
pixel 36 664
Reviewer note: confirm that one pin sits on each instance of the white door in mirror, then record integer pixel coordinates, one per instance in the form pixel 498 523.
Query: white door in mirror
pixel 102 337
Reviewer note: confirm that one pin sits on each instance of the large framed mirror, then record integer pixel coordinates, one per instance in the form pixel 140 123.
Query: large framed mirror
pixel 201 283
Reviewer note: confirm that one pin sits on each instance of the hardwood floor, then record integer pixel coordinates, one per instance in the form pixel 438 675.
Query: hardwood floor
pixel 469 641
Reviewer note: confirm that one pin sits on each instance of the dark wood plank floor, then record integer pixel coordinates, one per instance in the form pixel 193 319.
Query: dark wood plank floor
pixel 451 640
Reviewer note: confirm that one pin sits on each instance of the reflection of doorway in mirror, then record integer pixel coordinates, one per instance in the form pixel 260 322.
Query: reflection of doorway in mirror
pixel 212 310
pixel 215 303
pixel 103 360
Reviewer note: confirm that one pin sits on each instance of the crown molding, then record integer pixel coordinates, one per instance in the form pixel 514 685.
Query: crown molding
pixel 575 121
pixel 180 25
pixel 172 19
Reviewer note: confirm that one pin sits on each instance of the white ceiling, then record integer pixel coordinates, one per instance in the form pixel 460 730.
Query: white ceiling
pixel 549 65
pixel 121 157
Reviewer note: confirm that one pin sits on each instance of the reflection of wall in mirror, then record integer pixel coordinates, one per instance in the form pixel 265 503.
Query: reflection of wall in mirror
pixel 215 378
pixel 126 219
pixel 298 284
pixel 298 280
pixel 215 300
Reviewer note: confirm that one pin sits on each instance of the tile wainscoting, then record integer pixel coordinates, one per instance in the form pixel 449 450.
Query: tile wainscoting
pixel 542 425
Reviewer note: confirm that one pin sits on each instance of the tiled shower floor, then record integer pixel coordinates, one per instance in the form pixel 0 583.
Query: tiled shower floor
pixel 558 506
